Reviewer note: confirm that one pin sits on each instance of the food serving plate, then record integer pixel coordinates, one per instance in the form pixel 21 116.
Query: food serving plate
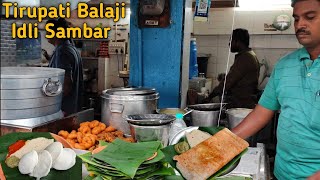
pixel 181 135
pixel 13 173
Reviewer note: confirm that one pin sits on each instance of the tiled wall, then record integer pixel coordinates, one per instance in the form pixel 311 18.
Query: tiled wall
pixel 269 46
pixel 8 45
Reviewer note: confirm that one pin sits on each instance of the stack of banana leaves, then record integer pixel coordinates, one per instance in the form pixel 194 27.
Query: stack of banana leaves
pixel 123 160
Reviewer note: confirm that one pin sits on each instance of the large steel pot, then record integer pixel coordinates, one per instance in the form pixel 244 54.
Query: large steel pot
pixel 119 102
pixel 205 114
pixel 236 115
pixel 30 93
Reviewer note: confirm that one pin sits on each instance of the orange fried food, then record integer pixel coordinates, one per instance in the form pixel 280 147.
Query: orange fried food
pixel 85 129
pixel 79 146
pixel 101 136
pixel 79 137
pixel 89 133
pixel 110 129
pixel 63 133
pixel 71 142
pixel 102 126
pixel 96 130
pixel 109 137
pixel 94 123
pixel 129 139
pixel 85 123
pixel 72 136
pixel 118 133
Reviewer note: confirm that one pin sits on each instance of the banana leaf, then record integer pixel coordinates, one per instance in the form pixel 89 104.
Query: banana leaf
pixel 13 173
pixel 127 157
pixel 170 152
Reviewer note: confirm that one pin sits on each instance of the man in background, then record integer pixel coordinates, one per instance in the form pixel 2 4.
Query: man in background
pixel 67 57
pixel 242 79
pixel 294 89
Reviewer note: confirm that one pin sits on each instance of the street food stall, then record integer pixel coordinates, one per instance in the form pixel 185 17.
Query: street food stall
pixel 131 140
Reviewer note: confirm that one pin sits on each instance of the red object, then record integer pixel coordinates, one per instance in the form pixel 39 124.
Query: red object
pixel 16 146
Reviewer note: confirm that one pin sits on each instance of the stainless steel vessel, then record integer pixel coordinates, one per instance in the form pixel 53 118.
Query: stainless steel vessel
pixel 150 127
pixel 205 115
pixel 119 102
pixel 30 95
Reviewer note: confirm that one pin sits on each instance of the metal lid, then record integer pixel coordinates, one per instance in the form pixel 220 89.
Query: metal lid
pixel 30 72
pixel 129 91
pixel 129 94
pixel 149 119
pixel 207 107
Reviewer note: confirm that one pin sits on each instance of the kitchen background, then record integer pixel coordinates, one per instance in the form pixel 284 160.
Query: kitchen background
pixel 212 39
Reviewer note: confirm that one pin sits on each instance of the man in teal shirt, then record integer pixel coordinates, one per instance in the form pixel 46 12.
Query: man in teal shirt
pixel 294 89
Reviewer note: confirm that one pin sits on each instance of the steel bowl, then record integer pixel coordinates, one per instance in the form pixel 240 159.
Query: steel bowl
pixel 150 133
pixel 149 119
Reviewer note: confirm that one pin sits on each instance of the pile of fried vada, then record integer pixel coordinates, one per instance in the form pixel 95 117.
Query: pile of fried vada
pixel 89 134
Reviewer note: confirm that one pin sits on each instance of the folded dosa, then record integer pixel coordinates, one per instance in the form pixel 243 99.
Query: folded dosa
pixel 208 157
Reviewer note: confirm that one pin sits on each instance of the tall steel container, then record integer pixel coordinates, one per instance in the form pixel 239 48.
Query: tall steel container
pixel 119 102
pixel 30 95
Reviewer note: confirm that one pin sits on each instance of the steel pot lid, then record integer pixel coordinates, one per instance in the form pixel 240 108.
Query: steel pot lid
pixel 149 119
pixel 207 107
pixel 129 91
pixel 29 72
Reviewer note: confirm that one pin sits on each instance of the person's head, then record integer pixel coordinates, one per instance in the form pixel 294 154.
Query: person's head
pixel 306 14
pixel 57 23
pixel 240 40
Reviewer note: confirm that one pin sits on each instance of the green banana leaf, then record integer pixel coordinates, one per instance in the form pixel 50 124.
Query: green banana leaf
pixel 13 173
pixel 127 157
pixel 170 152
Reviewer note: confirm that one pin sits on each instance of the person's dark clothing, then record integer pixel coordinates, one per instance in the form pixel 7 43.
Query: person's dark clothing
pixel 67 57
pixel 242 81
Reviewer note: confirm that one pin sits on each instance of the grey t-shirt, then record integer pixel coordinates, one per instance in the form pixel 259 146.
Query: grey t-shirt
pixel 67 57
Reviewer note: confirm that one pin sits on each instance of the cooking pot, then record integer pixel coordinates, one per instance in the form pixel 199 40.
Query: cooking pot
pixel 119 102
pixel 205 114
pixel 174 111
pixel 236 115
pixel 30 95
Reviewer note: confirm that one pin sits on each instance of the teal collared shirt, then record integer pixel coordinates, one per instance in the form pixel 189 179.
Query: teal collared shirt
pixel 294 89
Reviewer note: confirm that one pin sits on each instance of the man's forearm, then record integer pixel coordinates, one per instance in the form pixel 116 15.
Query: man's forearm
pixel 255 121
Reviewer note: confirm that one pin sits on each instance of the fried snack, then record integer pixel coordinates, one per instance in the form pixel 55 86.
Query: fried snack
pixel 109 137
pixel 110 129
pixel 85 129
pixel 118 133
pixel 63 133
pixel 94 124
pixel 89 134
pixel 96 130
pixel 79 146
pixel 102 126
pixel 85 123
